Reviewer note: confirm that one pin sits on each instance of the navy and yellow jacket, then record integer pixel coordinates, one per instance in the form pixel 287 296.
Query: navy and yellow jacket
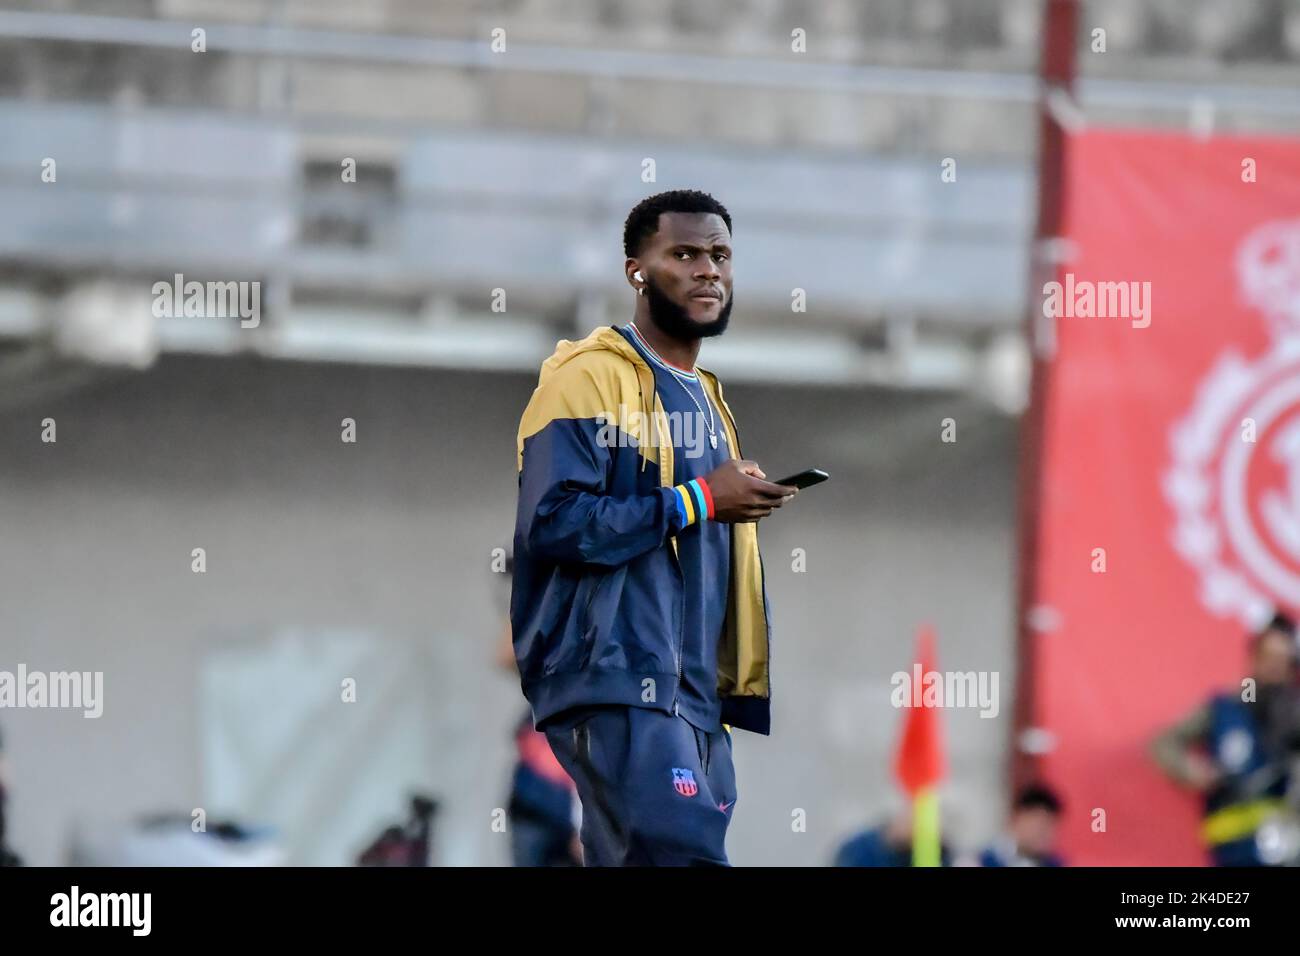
pixel 596 606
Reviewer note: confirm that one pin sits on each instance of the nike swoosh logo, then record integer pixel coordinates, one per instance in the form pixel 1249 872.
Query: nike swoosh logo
pixel 723 806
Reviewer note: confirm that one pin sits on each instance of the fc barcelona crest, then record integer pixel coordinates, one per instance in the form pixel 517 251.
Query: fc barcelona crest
pixel 684 782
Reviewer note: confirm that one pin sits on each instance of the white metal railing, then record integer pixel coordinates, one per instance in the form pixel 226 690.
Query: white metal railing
pixel 1007 87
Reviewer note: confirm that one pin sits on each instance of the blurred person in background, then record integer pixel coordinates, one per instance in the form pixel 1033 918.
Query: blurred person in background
pixel 1236 749
pixel 7 856
pixel 406 844
pixel 889 844
pixel 543 808
pixel 1031 833
pixel 639 608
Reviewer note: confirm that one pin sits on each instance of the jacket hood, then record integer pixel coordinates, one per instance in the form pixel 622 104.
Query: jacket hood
pixel 606 337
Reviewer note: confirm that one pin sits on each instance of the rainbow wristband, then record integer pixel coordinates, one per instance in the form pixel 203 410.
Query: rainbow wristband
pixel 694 501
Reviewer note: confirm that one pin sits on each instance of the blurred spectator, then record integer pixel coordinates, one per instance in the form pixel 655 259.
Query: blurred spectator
pixel 1031 835
pixel 410 844
pixel 1236 749
pixel 889 844
pixel 543 801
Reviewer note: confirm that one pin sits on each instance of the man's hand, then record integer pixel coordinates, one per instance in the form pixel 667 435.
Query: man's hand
pixel 740 494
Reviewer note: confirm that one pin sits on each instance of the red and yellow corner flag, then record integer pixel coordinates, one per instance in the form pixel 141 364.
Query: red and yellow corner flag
pixel 919 763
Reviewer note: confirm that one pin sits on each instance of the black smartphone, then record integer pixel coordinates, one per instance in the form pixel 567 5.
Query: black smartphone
pixel 804 479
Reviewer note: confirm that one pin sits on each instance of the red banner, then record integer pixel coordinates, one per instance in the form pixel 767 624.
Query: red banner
pixel 1170 503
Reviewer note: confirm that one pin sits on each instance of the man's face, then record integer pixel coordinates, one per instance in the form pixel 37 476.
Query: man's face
pixel 686 265
pixel 1273 661
pixel 1034 830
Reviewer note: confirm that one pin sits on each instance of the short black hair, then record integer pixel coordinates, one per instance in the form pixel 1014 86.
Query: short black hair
pixel 643 221
pixel 1038 796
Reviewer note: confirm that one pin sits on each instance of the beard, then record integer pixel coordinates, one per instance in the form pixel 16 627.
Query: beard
pixel 674 321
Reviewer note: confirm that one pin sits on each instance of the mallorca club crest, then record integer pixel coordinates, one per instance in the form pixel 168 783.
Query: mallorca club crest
pixel 684 782
pixel 1234 482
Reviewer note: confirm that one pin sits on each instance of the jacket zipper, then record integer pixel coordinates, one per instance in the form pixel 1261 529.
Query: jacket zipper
pixel 681 634
pixel 681 578
pixel 586 611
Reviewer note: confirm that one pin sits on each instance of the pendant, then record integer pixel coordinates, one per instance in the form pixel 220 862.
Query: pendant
pixel 713 441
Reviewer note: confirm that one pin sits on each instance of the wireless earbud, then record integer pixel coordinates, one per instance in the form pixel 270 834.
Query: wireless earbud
pixel 637 275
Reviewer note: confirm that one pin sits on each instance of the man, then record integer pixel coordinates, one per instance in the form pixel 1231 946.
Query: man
pixel 1236 748
pixel 639 613
pixel 1031 837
